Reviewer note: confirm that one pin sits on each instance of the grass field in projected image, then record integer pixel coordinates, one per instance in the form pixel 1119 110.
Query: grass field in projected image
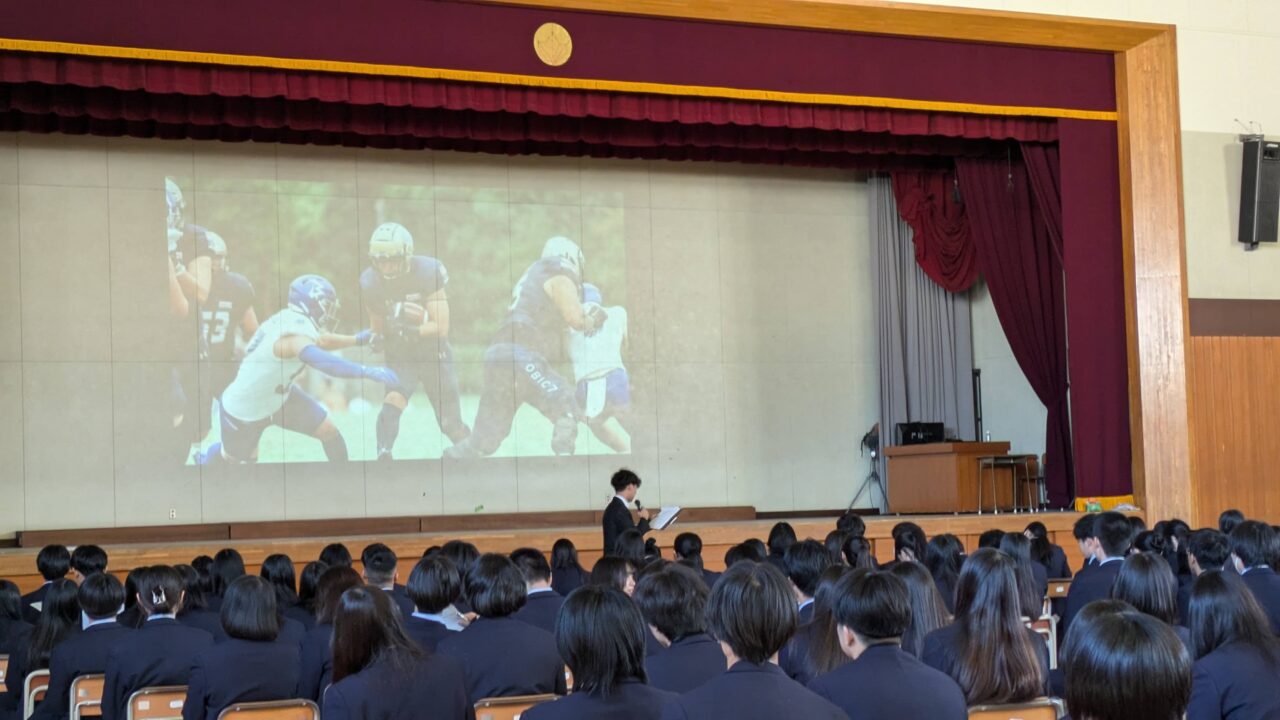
pixel 420 436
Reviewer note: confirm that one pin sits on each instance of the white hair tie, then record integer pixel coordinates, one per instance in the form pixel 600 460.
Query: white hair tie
pixel 157 596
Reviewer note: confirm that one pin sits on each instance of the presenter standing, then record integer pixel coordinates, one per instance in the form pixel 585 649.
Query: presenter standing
pixel 617 516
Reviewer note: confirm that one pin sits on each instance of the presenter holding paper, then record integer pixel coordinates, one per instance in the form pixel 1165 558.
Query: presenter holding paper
pixel 617 516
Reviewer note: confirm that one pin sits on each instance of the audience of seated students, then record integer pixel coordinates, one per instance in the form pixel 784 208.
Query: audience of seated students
pixel 59 619
pixel 195 610
pixel 988 650
pixel 614 572
pixel 14 633
pixel 1033 582
pixel 499 655
pixel 688 550
pixel 161 652
pixel 131 616
pixel 249 666
pixel 277 570
pixel 804 563
pixel 813 650
pixel 379 672
pixel 379 563
pixel 1228 520
pixel 781 537
pixel 226 567
pixel 1147 584
pixel 1207 549
pixel 1052 557
pixel 928 611
pixel 600 635
pixel 672 599
pixel 567 574
pixel 307 582
pixel 942 557
pixel 53 563
pixel 872 614
pixel 909 542
pixel 752 612
pixel 1237 659
pixel 1121 664
pixel 87 560
pixel 858 553
pixel 1110 543
pixel 335 555
pixel 84 652
pixel 317 652
pixel 1252 544
pixel 542 604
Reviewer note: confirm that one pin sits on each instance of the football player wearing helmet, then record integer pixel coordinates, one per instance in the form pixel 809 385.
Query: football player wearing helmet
pixel 604 389
pixel 408 306
pixel 225 307
pixel 545 303
pixel 264 391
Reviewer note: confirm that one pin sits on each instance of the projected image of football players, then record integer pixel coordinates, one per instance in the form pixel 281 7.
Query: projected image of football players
pixel 265 392
pixel 181 239
pixel 227 317
pixel 545 303
pixel 604 390
pixel 408 306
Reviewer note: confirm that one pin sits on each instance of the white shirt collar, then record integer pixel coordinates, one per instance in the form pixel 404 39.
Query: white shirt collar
pixel 1111 559
pixel 1251 568
pixel 433 617
pixel 538 591
pixel 623 500
pixel 805 604
pixel 166 616
pixel 86 622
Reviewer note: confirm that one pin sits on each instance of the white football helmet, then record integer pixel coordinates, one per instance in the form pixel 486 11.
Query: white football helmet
pixel 177 204
pixel 565 249
pixel 391 241
pixel 217 247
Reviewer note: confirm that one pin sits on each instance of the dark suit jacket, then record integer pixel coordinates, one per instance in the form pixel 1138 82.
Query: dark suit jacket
pixel 84 653
pixel 400 596
pixel 1184 599
pixel 30 614
pixel 1092 584
pixel 793 658
pixel 630 700
pixel 503 656
pixel 710 577
pixel 205 620
pixel 1234 682
pixel 434 690
pixel 885 682
pixel 541 609
pixel 14 636
pixel 132 618
pixel 235 671
pixel 1264 583
pixel 291 632
pixel 686 664
pixel 427 633
pixel 748 691
pixel 299 613
pixel 566 580
pixel 805 613
pixel 317 663
pixel 617 520
pixel 161 652
pixel 1040 576
pixel 941 651
pixel 1057 567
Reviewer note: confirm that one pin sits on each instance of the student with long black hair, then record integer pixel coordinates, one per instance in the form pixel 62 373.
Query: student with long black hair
pixel 317 654
pixel 688 547
pixel 1146 583
pixel 629 546
pixel 15 633
pixel 84 652
pixel 615 572
pixel 195 610
pixel 308 582
pixel 943 557
pixel 131 616
pixel 672 600
pixel 335 555
pixel 1033 583
pixel 781 537
pixel 226 567
pixel 567 574
pixel 813 651
pixel 1237 659
pixel 858 553
pixel 379 672
pixel 928 611
pixel 59 619
pixel 278 571
pixel 1045 552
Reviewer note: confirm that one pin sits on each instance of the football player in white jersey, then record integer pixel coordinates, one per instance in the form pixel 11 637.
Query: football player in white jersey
pixel 264 393
pixel 604 389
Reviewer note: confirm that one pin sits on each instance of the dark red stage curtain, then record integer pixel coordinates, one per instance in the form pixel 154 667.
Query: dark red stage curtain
pixel 928 201
pixel 1024 274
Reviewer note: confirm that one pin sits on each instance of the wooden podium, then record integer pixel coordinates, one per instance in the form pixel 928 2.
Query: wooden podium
pixel 943 477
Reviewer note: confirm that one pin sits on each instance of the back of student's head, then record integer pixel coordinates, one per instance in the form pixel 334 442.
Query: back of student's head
pixel 379 562
pixel 367 629
pixel 564 556
pixel 1210 548
pixel 834 542
pixel 998 662
pixel 227 566
pixel 1030 597
pixel 624 478
pixel 990 538
pixel 1228 521
pixel 852 523
pixel 1148 541
pixel 600 635
pixel 688 546
pixel 1251 542
pixel 1121 664
pixel 781 537
pixel 858 553
pixel 335 555
pixel 203 565
pixel 277 570
pixel 308 584
pixel 928 609
pixel 100 596
pixel 249 610
pixel 533 565
pixel 805 561
pixel 160 590
pixel 672 598
pixel 54 562
pixel 630 546
pixel 613 571
pixel 59 617
pixel 943 556
pixel 463 554
pixel 193 595
pixel 1083 528
pixel 434 584
pixel 1113 532
pixel 742 552
pixel 10 601
pixel 1041 547
pixel 874 605
pixel 1222 611
pixel 495 587
pixel 752 610
pixel 333 582
pixel 909 541
pixel 88 559
pixel 1136 525
pixel 1146 582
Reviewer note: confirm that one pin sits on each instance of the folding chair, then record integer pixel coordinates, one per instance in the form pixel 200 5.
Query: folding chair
pixel 86 696
pixel 1047 628
pixel 162 702
pixel 34 687
pixel 1058 587
pixel 508 708
pixel 1038 709
pixel 4 667
pixel 273 710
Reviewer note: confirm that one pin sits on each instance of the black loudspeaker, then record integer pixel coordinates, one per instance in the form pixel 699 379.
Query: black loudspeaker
pixel 1259 191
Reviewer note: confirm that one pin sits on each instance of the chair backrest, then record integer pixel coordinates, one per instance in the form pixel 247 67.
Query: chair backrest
pixel 508 708
pixel 4 667
pixel 86 696
pixel 1038 709
pixel 273 710
pixel 1058 587
pixel 34 686
pixel 162 702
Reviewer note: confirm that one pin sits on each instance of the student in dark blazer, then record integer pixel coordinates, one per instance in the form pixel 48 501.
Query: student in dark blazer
pixel 379 563
pixel 87 560
pixel 53 562
pixel 1110 541
pixel 752 612
pixel 567 574
pixel 617 515
pixel 434 585
pixel 379 673
pixel 804 562
pixel 601 637
pixel 1148 585
pixel 781 537
pixel 227 566
pixel 1207 549
pixel 501 656
pixel 195 610
pixel 317 653
pixel 872 612
pixel 14 633
pixel 161 652
pixel 249 666
pixel 542 604
pixel 688 550
pixel 85 652
pixel 943 557
pixel 132 615
pixel 1050 556
pixel 1033 584
pixel 1251 547
pixel 59 620
pixel 278 570
pixel 1082 531
pixel 1237 658
pixel 813 650
pixel 672 600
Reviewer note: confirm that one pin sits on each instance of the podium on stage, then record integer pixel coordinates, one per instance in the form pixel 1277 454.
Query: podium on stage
pixel 944 477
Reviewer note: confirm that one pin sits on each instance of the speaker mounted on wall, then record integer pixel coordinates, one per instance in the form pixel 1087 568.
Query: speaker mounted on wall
pixel 1259 191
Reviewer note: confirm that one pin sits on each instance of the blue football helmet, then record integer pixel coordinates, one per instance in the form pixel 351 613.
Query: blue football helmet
pixel 591 294
pixel 315 297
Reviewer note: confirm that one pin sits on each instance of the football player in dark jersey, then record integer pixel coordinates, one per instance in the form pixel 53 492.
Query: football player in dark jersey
pixel 546 302
pixel 408 306
pixel 226 305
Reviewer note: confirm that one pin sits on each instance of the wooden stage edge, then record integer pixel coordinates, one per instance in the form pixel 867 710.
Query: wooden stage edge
pixel 18 564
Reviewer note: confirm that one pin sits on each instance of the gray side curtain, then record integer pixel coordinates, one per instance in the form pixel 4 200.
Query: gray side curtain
pixel 926 345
